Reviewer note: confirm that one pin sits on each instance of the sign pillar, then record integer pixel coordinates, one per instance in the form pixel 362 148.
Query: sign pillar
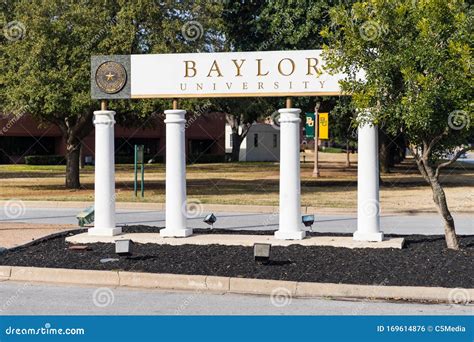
pixel 290 194
pixel 104 188
pixel 368 206
pixel 176 212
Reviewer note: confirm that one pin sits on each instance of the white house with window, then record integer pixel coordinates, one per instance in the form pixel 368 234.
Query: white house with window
pixel 262 143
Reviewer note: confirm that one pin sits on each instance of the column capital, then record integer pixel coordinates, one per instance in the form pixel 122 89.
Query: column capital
pixel 291 115
pixel 175 116
pixel 365 117
pixel 104 117
pixel 296 111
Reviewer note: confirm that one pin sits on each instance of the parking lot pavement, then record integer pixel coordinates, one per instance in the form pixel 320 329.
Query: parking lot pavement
pixel 43 299
pixel 391 223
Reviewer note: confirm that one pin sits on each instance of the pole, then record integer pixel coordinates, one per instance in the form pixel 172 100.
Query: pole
pixel 368 204
pixel 135 160
pixel 176 206
pixel 289 225
pixel 104 174
pixel 143 176
pixel 316 139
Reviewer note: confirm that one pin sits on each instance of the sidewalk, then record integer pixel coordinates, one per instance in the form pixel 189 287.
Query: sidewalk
pixel 209 207
pixel 13 234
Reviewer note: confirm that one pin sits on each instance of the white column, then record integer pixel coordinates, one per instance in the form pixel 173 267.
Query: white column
pixel 290 196
pixel 368 206
pixel 104 182
pixel 176 213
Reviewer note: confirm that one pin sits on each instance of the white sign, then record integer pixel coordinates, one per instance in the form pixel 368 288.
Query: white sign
pixel 230 74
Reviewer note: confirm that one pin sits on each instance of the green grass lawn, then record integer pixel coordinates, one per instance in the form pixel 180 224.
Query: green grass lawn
pixel 247 184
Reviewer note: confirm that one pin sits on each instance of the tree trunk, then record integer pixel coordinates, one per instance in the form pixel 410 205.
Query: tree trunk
pixel 439 197
pixel 236 142
pixel 81 157
pixel 348 155
pixel 73 152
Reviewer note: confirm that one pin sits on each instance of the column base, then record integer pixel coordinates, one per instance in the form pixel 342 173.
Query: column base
pixel 374 237
pixel 176 232
pixel 297 235
pixel 104 231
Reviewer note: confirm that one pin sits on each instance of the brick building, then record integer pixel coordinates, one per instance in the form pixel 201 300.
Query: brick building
pixel 205 139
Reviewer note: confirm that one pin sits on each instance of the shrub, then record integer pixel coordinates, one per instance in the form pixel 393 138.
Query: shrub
pixel 45 160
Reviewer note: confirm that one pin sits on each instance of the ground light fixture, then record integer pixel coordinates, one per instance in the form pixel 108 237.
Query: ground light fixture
pixel 210 220
pixel 123 247
pixel 308 221
pixel 261 252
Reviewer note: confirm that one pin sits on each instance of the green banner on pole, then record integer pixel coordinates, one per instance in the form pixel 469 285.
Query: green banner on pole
pixel 139 159
pixel 309 126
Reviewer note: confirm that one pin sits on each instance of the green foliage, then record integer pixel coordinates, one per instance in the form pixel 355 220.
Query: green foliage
pixel 417 56
pixel 332 149
pixel 273 25
pixel 49 68
pixel 45 160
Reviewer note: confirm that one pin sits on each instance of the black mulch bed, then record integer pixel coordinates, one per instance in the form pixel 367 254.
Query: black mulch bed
pixel 425 260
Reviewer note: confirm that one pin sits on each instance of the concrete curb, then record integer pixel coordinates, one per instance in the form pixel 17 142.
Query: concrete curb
pixel 215 207
pixel 203 283
pixel 65 276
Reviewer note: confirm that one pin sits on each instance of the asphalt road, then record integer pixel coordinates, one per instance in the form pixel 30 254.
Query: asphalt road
pixel 391 224
pixel 42 299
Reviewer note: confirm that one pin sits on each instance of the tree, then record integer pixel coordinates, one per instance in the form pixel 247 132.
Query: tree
pixel 343 130
pixel 418 65
pixel 47 71
pixel 267 26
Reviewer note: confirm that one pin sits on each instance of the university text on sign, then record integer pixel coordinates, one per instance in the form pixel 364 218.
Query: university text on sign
pixel 226 74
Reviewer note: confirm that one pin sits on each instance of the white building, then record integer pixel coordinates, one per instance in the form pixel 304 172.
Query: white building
pixel 262 143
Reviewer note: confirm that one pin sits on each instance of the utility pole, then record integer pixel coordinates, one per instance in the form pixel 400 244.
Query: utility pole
pixel 316 139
